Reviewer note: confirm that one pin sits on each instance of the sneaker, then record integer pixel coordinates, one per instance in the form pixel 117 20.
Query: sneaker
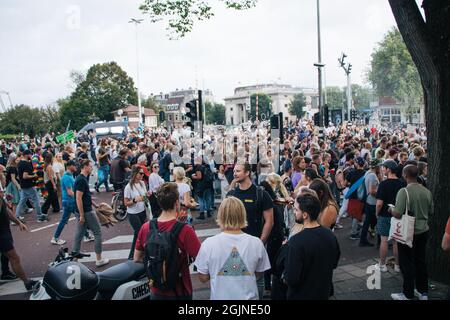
pixel 209 214
pixel 89 239
pixel 421 296
pixel 399 296
pixel 30 284
pixel 366 244
pixel 201 216
pixel 40 219
pixel 8 276
pixel 29 210
pixel 100 263
pixel 382 267
pixel 355 237
pixel 397 268
pixel 13 223
pixel 58 242
pixel 21 218
pixel 338 226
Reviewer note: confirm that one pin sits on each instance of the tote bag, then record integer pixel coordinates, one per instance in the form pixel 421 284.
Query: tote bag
pixel 402 230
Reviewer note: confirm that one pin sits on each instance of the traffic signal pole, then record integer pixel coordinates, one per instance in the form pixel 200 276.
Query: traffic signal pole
pixel 200 111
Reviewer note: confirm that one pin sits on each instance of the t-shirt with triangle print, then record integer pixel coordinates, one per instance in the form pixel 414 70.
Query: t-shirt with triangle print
pixel 234 266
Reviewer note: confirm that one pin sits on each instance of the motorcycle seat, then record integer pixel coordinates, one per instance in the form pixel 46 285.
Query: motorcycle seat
pixel 114 277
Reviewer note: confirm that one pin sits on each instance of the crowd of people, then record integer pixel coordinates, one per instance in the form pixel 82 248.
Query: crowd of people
pixel 279 215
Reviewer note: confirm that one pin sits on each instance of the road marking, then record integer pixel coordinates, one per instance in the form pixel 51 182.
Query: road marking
pixel 49 226
pixel 13 287
pixel 129 238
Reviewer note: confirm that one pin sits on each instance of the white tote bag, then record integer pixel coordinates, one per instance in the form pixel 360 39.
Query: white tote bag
pixel 402 230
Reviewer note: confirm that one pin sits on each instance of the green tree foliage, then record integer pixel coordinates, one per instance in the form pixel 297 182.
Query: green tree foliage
pixel 392 71
pixel 215 113
pixel 30 121
pixel 182 14
pixel 105 89
pixel 264 106
pixel 361 96
pixel 297 105
pixel 335 97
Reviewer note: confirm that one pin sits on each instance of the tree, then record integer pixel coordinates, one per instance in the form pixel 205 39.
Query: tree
pixel 23 119
pixel 264 106
pixel 215 113
pixel 51 117
pixel 335 97
pixel 181 15
pixel 297 105
pixel 106 88
pixel 428 43
pixel 392 71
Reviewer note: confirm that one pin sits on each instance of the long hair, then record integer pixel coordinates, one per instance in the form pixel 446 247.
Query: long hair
pixel 48 159
pixel 12 160
pixel 134 172
pixel 277 185
pixel 323 192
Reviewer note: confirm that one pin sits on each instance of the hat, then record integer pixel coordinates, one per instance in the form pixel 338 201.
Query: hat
pixel 360 161
pixel 27 152
pixel 390 164
pixel 71 163
pixel 374 163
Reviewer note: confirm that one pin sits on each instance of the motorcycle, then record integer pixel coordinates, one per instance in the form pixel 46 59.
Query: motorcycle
pixel 67 279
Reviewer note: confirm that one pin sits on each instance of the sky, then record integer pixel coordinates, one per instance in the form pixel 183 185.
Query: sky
pixel 275 42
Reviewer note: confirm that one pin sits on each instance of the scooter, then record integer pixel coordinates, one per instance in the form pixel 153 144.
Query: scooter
pixel 67 279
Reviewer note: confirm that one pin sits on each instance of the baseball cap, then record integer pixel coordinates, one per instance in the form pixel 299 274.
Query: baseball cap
pixel 360 161
pixel 390 164
pixel 71 163
pixel 375 163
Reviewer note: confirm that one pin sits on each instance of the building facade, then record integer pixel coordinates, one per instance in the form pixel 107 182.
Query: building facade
pixel 238 106
pixel 174 103
pixel 388 110
pixel 131 114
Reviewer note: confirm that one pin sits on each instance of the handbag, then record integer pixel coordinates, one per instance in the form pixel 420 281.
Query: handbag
pixel 355 209
pixel 402 230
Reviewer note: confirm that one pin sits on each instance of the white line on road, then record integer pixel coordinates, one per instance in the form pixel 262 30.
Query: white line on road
pixel 14 287
pixel 49 226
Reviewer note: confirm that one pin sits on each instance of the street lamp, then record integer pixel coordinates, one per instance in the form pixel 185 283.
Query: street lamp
pixel 319 66
pixel 136 22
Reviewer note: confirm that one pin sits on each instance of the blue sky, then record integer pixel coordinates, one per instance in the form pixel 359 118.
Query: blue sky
pixel 42 41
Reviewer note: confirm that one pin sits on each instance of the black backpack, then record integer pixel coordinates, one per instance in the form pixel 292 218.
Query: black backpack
pixel 162 256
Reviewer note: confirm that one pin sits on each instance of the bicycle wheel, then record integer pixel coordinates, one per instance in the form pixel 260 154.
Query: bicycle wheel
pixel 120 211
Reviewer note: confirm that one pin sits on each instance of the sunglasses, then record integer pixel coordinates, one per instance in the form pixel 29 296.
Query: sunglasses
pixel 155 167
pixel 141 172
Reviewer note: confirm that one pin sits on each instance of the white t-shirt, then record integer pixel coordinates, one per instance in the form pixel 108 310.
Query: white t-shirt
pixel 154 182
pixel 182 189
pixel 58 168
pixel 131 193
pixel 231 261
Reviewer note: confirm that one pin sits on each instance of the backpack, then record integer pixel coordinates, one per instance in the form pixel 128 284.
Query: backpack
pixel 208 175
pixel 162 256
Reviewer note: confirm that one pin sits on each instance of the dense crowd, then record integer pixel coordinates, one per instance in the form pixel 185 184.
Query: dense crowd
pixel 282 199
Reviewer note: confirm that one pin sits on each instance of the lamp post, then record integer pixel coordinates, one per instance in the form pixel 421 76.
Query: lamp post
pixel 347 68
pixel 319 66
pixel 136 22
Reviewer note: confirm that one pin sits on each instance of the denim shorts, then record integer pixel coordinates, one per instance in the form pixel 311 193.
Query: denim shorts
pixel 383 226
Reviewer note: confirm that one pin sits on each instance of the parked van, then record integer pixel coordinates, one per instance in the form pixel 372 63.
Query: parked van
pixel 116 129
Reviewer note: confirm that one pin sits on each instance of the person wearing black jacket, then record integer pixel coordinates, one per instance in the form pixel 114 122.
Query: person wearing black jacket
pixel 312 256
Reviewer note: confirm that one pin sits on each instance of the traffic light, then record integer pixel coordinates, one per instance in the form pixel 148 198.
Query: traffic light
pixel 162 116
pixel 326 112
pixel 317 119
pixel 353 115
pixel 191 113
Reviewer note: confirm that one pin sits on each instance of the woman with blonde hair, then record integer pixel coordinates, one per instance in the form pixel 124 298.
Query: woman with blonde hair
pixel 232 260
pixel 12 185
pixel 58 168
pixel 185 195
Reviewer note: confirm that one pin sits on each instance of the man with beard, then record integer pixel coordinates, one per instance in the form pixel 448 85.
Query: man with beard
pixel 312 256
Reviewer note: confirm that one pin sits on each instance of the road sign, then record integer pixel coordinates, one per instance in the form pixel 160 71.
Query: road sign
pixel 67 136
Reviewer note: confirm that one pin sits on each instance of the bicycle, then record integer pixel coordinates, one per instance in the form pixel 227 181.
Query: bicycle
pixel 118 204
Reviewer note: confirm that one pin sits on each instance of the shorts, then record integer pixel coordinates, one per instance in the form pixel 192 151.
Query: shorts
pixel 383 226
pixel 6 241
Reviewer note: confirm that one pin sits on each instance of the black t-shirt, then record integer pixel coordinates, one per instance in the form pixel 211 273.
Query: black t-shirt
pixel 9 172
pixel 82 185
pixel 253 209
pixel 4 218
pixel 118 166
pixel 22 167
pixel 352 177
pixel 312 256
pixel 66 156
pixel 387 191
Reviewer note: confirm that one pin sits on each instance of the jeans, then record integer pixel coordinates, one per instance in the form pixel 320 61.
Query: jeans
pixel 370 220
pixel 136 221
pixel 355 226
pixel 105 176
pixel 204 201
pixel 68 209
pixel 211 197
pixel 52 199
pixel 91 222
pixel 260 285
pixel 413 265
pixel 31 194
